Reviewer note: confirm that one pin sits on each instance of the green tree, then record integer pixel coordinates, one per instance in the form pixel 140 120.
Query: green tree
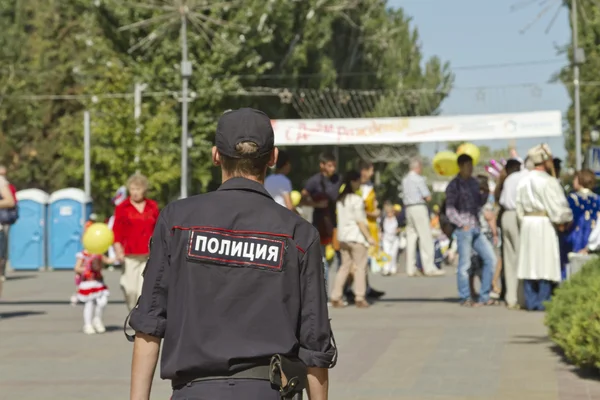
pixel 589 37
pixel 48 44
pixel 75 50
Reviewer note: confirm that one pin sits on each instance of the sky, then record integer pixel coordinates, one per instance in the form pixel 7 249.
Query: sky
pixel 475 34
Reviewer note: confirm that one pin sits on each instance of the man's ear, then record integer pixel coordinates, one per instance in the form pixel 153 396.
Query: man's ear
pixel 216 157
pixel 273 158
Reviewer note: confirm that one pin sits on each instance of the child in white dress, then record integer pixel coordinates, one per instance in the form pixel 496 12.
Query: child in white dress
pixel 91 291
pixel 390 240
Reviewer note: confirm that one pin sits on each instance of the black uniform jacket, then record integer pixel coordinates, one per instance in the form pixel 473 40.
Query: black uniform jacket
pixel 234 278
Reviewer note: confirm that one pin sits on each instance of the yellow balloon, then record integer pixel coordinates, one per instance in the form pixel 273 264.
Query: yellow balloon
pixel 98 238
pixel 329 252
pixel 296 197
pixel 471 150
pixel 445 163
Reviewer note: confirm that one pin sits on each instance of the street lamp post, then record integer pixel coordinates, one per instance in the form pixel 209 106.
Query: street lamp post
pixel 578 58
pixel 87 158
pixel 186 73
pixel 137 113
pixel 185 11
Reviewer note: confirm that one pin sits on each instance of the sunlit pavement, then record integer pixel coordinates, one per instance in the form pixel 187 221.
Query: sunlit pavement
pixel 416 343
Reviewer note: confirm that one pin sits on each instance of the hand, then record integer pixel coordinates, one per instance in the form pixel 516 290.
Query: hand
pixel 466 228
pixel 372 241
pixel 583 251
pixel 495 239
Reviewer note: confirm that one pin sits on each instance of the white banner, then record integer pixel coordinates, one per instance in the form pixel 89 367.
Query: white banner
pixel 303 132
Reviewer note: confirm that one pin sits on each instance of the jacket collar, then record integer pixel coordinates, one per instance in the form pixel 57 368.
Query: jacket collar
pixel 244 184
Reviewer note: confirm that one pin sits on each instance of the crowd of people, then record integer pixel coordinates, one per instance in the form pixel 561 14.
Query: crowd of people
pixel 514 241
pixel 364 234
pixel 517 240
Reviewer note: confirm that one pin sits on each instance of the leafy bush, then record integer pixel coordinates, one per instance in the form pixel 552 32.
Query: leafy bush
pixel 573 316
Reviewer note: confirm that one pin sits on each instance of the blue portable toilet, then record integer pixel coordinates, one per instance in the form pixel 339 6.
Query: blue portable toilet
pixel 27 236
pixel 68 209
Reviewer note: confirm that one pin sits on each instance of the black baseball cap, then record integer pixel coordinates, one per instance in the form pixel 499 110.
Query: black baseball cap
pixel 244 125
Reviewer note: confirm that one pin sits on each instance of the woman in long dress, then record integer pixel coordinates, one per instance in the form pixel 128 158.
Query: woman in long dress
pixel 542 209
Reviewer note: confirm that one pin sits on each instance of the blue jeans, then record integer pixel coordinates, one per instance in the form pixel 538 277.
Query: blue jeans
pixel 467 241
pixel 536 293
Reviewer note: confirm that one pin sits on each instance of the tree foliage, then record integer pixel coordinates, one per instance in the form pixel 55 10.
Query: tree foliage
pixel 75 49
pixel 589 40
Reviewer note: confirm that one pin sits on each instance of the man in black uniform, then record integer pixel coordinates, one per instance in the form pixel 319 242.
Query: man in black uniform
pixel 232 280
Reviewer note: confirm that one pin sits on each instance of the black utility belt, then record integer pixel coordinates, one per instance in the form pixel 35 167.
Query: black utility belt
pixel 289 374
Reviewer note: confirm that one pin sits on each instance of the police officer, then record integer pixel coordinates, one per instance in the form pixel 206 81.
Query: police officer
pixel 233 279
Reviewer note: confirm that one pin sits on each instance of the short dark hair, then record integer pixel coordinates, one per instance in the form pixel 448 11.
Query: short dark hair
pixel 247 166
pixel 326 157
pixel 363 165
pixel 282 159
pixel 557 165
pixel 586 178
pixel 463 159
pixel 512 165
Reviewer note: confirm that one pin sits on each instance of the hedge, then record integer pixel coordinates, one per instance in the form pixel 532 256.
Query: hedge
pixel 573 316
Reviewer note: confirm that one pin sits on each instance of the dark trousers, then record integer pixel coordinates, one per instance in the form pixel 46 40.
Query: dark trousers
pixel 536 292
pixel 227 389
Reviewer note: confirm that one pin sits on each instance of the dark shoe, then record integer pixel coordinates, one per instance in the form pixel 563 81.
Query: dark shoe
pixel 375 294
pixel 349 297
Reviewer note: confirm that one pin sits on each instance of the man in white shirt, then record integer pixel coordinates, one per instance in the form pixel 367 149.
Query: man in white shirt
pixel 510 229
pixel 415 197
pixel 278 184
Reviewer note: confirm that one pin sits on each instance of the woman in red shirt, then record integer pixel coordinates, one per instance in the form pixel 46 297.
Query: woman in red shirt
pixel 134 224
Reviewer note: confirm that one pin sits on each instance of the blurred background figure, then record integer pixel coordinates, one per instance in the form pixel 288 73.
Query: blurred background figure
pixel 585 205
pixel 543 211
pixel 390 241
pixel 278 184
pixel 8 215
pixel 489 227
pixel 118 198
pixel 506 196
pixel 355 238
pixel 416 194
pixel 91 219
pixel 133 227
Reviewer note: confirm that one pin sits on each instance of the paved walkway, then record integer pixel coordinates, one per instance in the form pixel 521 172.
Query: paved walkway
pixel 415 344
